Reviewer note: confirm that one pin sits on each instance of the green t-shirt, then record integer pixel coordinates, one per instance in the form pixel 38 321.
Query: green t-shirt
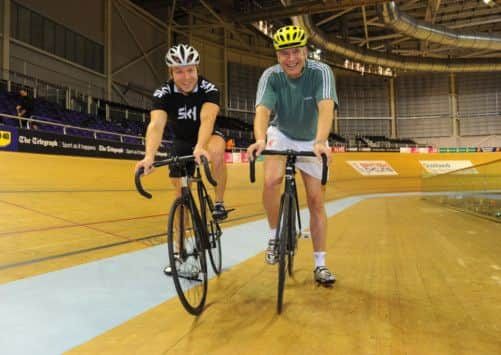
pixel 294 101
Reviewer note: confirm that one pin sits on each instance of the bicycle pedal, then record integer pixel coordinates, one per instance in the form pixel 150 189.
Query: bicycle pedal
pixel 324 285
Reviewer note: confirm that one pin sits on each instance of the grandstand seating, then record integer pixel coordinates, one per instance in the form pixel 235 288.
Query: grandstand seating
pixel 50 112
pixel 385 142
pixel 86 125
pixel 131 131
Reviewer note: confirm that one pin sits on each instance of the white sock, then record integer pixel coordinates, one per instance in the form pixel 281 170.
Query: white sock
pixel 273 233
pixel 319 258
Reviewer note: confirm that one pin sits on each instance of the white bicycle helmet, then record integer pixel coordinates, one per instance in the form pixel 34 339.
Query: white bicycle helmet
pixel 182 54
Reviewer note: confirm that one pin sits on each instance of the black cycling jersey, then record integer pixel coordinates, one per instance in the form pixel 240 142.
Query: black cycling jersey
pixel 183 111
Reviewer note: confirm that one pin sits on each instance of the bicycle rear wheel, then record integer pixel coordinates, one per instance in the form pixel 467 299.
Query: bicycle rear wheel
pixel 284 238
pixel 213 231
pixel 187 257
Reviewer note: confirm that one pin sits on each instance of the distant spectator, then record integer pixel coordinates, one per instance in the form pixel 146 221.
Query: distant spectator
pixel 230 143
pixel 25 106
pixel 123 123
pixel 89 121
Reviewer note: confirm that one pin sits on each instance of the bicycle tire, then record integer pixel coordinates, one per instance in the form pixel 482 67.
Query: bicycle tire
pixel 282 249
pixel 187 257
pixel 213 231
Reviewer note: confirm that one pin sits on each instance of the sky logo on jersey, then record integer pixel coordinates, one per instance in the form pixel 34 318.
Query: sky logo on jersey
pixel 161 92
pixel 5 139
pixel 207 86
pixel 185 113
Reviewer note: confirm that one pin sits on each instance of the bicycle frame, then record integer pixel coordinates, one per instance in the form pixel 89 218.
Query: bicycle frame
pixel 290 185
pixel 286 235
pixel 188 261
pixel 186 193
pixel 290 172
pixel 187 196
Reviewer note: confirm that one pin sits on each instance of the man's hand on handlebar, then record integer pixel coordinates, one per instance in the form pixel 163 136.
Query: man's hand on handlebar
pixel 320 148
pixel 147 164
pixel 255 149
pixel 198 152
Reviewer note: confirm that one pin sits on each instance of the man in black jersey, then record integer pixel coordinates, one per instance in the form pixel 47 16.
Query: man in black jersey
pixel 24 107
pixel 191 104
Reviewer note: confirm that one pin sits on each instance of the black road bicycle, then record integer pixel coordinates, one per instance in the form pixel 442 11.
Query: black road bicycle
pixel 289 223
pixel 191 231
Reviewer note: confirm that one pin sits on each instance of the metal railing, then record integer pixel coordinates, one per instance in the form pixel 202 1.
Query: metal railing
pixel 71 98
pixel 29 124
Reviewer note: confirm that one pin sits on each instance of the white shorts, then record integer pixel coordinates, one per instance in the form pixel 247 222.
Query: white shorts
pixel 276 140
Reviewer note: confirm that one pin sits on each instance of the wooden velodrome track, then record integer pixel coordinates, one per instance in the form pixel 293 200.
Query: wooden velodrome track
pixel 413 277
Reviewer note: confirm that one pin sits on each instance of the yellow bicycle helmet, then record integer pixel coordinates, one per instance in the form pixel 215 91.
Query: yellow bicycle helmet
pixel 289 37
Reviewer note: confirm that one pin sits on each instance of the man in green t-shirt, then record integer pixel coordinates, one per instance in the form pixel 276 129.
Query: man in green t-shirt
pixel 302 95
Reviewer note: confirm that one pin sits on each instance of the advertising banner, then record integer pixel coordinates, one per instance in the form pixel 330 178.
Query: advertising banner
pixel 8 138
pixel 421 150
pixel 244 157
pixel 48 143
pixel 372 167
pixel 489 149
pixel 237 157
pixel 445 166
pixel 228 157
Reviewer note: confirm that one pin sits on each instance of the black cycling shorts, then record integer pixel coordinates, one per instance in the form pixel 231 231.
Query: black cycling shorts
pixel 180 148
pixel 220 134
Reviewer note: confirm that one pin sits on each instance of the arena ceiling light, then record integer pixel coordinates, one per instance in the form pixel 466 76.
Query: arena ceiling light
pixel 490 3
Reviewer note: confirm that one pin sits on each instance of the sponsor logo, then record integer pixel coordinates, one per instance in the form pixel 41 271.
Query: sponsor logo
pixel 5 138
pixel 237 157
pixel 34 141
pixel 338 149
pixel 207 86
pixel 418 150
pixel 228 157
pixel 185 113
pixel 372 167
pixel 445 166
pixel 161 92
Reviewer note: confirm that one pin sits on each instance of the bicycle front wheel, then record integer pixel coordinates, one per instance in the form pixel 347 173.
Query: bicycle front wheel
pixel 187 257
pixel 213 231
